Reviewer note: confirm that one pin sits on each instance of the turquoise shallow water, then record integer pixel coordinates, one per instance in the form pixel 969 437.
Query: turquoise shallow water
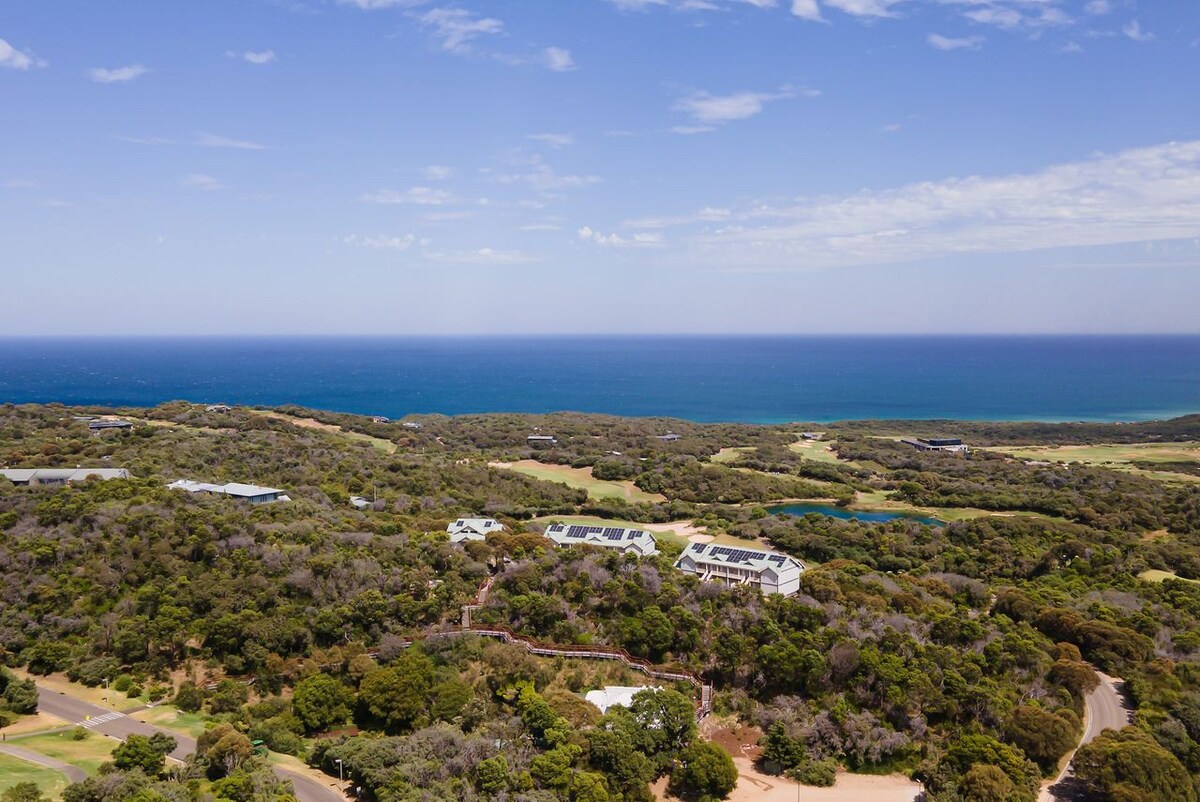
pixel 756 379
pixel 833 511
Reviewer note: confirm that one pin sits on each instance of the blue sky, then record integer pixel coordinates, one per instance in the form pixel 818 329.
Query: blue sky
pixel 580 166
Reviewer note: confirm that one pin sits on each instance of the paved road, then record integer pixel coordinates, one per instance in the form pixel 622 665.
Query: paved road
pixel 74 773
pixel 119 725
pixel 1105 709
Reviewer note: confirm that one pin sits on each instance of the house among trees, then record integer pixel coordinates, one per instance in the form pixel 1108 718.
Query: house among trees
pixel 380 419
pixel 952 444
pixel 669 437
pixel 616 695
pixel 472 529
pixel 252 493
pixel 629 541
pixel 98 426
pixel 218 408
pixel 732 565
pixel 541 440
pixel 411 424
pixel 60 476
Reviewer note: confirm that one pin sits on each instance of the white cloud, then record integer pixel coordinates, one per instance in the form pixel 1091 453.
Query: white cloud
pixel 864 8
pixel 543 179
pixel 1133 29
pixel 708 109
pixel 373 5
pixel 1097 7
pixel 691 129
pixel 214 141
pixel 259 57
pixel 807 9
pixel 437 172
pixel 1142 195
pixel 481 256
pixel 588 234
pixel 201 181
pixel 19 183
pixel 540 227
pixel 891 128
pixel 708 214
pixel 417 196
pixel 15 59
pixel 558 59
pixel 381 243
pixel 555 141
pixel 118 75
pixel 456 28
pixel 939 42
pixel 1000 16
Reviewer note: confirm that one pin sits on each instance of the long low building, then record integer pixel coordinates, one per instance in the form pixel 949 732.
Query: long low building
pixel 952 444
pixel 732 565
pixel 252 493
pixel 472 529
pixel 60 476
pixel 635 541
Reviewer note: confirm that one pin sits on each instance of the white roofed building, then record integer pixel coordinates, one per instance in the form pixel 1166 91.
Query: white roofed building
pixel 60 476
pixel 616 695
pixel 472 529
pixel 629 541
pixel 732 565
pixel 252 493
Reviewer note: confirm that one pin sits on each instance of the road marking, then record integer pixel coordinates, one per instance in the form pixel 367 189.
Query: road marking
pixel 89 722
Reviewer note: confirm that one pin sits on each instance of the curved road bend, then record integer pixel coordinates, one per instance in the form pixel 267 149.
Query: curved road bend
pixel 121 726
pixel 1105 709
pixel 74 773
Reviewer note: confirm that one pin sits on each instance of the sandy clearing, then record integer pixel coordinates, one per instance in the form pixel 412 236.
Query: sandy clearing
pixel 754 786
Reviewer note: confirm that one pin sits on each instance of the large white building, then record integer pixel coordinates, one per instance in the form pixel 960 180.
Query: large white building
pixel 472 529
pixel 60 476
pixel 733 565
pixel 630 541
pixel 252 493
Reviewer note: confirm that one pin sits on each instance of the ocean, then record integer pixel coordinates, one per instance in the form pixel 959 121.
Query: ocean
pixel 735 378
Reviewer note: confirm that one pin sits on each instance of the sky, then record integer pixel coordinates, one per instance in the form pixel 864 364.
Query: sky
pixel 597 166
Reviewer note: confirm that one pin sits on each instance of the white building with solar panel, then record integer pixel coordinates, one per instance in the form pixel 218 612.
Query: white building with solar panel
pixel 731 565
pixel 629 541
pixel 472 529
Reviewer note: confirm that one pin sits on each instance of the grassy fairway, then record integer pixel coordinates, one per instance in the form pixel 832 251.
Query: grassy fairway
pixel 819 451
pixel 580 478
pixel 87 754
pixel 14 770
pixel 1118 457
pixel 1155 575
pixel 731 454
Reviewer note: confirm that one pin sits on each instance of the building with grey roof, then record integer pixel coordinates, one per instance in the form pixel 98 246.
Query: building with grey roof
pixel 252 493
pixel 60 476
pixel 732 565
pixel 629 541
pixel 472 529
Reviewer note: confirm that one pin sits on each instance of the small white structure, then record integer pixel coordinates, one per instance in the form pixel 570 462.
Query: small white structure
pixel 669 437
pixel 252 493
pixel 616 695
pixel 541 440
pixel 380 419
pixel 359 503
pixel 731 565
pixel 472 529
pixel 629 541
pixel 60 476
pixel 411 424
pixel 218 408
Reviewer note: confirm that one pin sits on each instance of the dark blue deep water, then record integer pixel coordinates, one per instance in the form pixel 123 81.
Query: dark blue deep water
pixel 760 379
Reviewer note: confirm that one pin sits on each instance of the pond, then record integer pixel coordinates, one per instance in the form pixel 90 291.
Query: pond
pixel 870 516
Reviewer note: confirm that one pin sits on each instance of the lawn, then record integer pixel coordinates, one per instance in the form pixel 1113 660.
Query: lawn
pixel 87 754
pixel 878 500
pixel 14 770
pixel 580 478
pixel 114 700
pixel 172 718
